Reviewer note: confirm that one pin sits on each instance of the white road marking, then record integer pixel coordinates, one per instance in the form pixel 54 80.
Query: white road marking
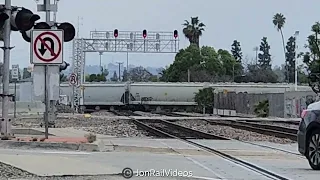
pixel 220 177
pixel 50 152
pixel 66 152
pixel 206 178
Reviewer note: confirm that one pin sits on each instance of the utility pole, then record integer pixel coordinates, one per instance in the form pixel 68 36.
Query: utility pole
pixel 100 56
pixel 256 49
pixel 119 64
pixel 5 121
pixel 296 34
pixel 47 4
pixel 48 70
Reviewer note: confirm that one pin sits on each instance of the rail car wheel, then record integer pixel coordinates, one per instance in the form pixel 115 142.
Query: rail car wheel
pixel 97 108
pixel 313 150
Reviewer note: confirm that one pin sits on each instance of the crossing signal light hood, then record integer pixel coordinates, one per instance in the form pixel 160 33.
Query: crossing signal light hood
pixel 68 30
pixel 3 17
pixel 26 35
pixel 23 20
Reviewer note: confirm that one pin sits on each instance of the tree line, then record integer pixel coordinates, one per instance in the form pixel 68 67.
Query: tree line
pixel 197 63
pixel 206 64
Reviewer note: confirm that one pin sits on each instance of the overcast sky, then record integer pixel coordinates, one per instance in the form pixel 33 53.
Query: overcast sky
pixel 246 20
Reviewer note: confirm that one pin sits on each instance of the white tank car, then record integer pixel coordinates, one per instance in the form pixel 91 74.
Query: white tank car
pixel 108 94
pixel 165 93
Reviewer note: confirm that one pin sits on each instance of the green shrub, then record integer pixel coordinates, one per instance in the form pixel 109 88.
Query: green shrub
pixel 204 98
pixel 261 109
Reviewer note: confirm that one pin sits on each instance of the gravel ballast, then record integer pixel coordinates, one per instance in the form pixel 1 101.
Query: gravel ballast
pixel 230 132
pixel 287 125
pixel 105 125
pixel 8 171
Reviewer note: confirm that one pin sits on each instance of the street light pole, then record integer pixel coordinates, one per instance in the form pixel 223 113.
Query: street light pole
pixel 296 34
pixel 119 63
pixel 100 54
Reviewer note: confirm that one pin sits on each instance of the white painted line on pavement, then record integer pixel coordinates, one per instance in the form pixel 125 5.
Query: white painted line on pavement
pixel 65 152
pixel 196 162
pixel 52 152
pixel 206 178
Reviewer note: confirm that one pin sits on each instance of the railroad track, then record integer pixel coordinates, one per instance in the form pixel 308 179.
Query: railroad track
pixel 164 128
pixel 124 113
pixel 167 129
pixel 272 121
pixel 271 130
pixel 172 114
pixel 265 129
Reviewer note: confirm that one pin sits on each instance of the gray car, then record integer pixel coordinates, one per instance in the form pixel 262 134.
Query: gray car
pixel 309 135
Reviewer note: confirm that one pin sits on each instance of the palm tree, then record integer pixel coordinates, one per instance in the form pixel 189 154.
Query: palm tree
pixel 193 30
pixel 279 20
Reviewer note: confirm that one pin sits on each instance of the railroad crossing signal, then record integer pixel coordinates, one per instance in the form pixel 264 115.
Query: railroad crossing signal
pixel 175 34
pixel 68 29
pixel 23 20
pixel 46 47
pixel 115 33
pixel 73 79
pixel 144 33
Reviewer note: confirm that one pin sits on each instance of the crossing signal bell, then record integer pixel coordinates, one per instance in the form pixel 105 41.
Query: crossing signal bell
pixel 68 30
pixel 23 20
pixel 144 33
pixel 64 66
pixel 175 34
pixel 115 33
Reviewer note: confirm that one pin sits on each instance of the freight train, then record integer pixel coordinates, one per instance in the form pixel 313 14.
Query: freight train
pixel 160 95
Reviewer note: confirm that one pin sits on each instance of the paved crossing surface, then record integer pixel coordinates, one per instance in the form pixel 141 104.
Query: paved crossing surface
pixel 203 165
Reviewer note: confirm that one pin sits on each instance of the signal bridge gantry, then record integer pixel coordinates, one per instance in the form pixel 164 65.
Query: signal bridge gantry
pixel 118 41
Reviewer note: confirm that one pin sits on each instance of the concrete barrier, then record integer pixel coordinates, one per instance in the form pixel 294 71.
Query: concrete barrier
pixel 26 107
pixel 49 145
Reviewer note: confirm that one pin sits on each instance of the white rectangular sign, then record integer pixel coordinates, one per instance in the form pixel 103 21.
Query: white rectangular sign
pixel 46 47
pixel 15 72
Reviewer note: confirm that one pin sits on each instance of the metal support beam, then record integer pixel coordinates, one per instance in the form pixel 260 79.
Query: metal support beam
pixel 51 72
pixel 127 42
pixel 5 121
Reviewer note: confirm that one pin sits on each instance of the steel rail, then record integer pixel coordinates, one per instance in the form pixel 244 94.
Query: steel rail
pixel 232 159
pixel 258 128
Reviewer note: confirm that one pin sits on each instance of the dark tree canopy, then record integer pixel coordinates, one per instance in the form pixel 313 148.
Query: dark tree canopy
pixel 264 57
pixel 312 58
pixel 236 51
pixel 290 59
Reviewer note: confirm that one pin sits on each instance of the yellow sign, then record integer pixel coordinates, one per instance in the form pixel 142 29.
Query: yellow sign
pixel 225 91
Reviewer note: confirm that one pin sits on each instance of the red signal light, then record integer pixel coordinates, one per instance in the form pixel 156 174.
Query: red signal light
pixel 175 33
pixel 115 33
pixel 144 33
